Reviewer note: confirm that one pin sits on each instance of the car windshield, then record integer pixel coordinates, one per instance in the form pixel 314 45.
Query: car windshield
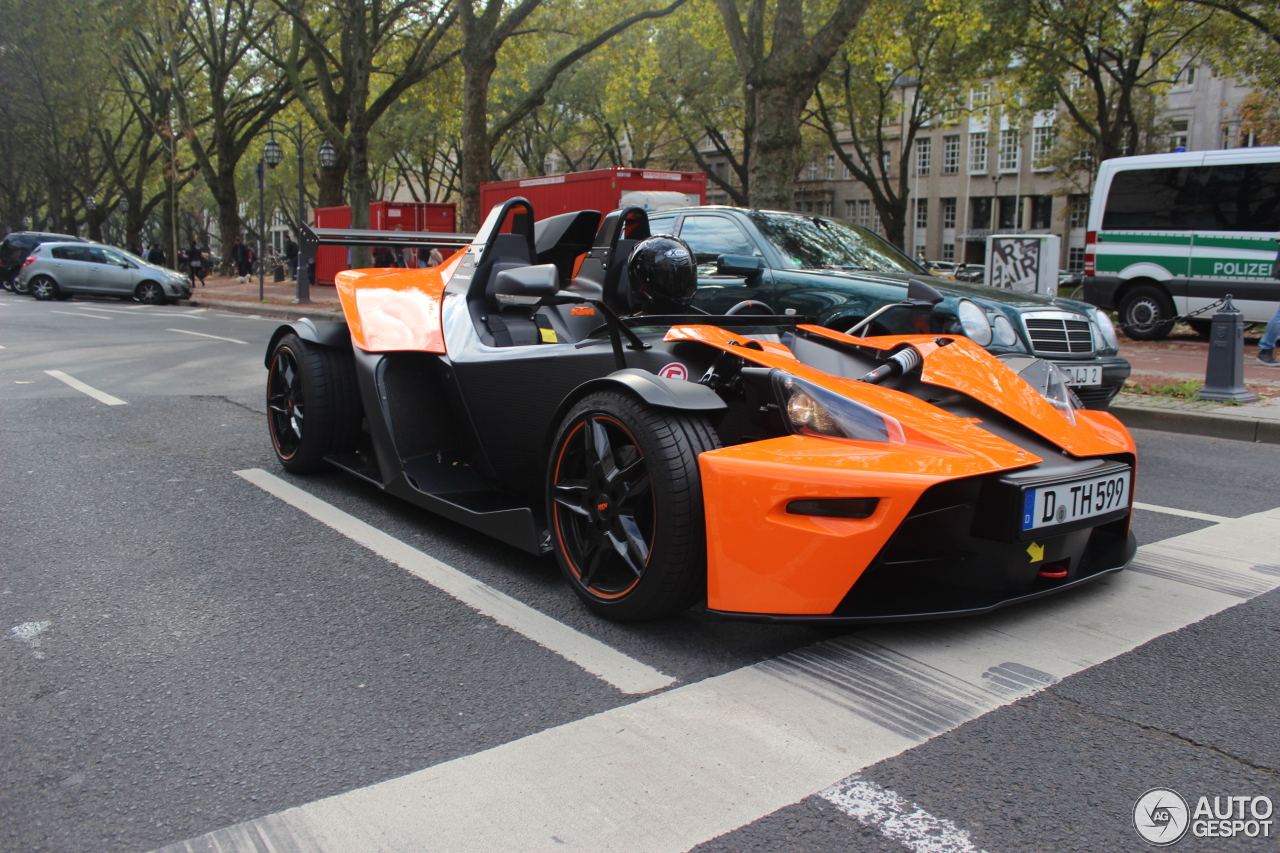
pixel 814 243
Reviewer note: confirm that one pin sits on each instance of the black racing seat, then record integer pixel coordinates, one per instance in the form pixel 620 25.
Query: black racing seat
pixel 514 300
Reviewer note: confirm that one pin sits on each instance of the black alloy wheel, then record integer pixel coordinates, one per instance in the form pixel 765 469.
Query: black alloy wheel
pixel 150 293
pixel 624 500
pixel 313 407
pixel 44 288
pixel 1146 313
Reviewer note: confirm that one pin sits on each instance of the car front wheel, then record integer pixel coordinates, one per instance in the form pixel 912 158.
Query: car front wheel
pixel 150 293
pixel 624 501
pixel 44 288
pixel 1147 313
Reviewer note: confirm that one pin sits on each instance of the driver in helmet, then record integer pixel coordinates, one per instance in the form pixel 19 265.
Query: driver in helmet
pixel 663 275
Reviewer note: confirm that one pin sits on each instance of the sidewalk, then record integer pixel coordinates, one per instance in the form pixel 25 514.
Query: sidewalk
pixel 1177 359
pixel 228 294
pixel 1182 358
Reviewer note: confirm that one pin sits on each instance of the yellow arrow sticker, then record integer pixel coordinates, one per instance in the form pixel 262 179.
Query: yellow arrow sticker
pixel 1036 550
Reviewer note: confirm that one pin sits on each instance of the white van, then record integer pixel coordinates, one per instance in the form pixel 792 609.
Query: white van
pixel 1170 233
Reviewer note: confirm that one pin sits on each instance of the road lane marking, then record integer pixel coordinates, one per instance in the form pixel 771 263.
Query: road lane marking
pixel 715 755
pixel 897 819
pixel 100 396
pixel 81 316
pixel 609 664
pixel 1185 513
pixel 203 335
pixel 111 310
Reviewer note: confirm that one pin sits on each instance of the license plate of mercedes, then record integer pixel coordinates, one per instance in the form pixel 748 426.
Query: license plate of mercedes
pixel 1082 374
pixel 1064 503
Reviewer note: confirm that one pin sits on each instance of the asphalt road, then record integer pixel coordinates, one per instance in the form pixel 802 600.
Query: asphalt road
pixel 187 652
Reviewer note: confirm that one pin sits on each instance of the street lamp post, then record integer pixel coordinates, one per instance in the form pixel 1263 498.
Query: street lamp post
pixel 273 155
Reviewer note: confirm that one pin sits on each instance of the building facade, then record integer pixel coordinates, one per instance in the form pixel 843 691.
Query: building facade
pixel 983 175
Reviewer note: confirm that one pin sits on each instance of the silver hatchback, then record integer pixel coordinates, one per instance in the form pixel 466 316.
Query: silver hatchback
pixel 58 270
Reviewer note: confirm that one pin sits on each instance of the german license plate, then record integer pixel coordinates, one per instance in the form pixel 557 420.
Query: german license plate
pixel 1082 374
pixel 1063 503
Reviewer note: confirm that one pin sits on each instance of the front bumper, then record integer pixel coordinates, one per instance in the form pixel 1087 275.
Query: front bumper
pixel 1115 370
pixel 929 550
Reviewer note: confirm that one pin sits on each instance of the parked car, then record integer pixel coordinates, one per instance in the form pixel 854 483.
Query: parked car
pixel 842 274
pixel 972 273
pixel 18 245
pixel 58 270
pixel 942 269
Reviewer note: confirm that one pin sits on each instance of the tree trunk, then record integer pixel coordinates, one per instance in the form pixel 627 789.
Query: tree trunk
pixel 477 151
pixel 775 146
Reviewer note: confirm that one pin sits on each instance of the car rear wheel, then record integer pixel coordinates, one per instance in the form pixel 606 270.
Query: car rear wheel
pixel 20 286
pixel 150 293
pixel 45 288
pixel 1146 313
pixel 313 407
pixel 624 501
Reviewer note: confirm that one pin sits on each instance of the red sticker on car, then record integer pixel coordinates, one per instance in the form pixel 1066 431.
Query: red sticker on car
pixel 674 370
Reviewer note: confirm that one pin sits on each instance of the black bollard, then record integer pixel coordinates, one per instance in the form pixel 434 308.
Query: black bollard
pixel 1224 372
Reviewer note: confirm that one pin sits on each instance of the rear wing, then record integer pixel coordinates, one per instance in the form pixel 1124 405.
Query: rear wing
pixel 311 239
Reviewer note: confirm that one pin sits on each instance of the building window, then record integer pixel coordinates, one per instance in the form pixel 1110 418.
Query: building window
pixel 851 210
pixel 948 251
pixel 924 155
pixel 1010 148
pixel 948 213
pixel 813 170
pixel 1075 258
pixel 848 173
pixel 1042 139
pixel 1079 206
pixel 1041 212
pixel 980 99
pixel 951 154
pixel 831 167
pixel 922 214
pixel 886 163
pixel 980 216
pixel 1179 140
pixel 978 153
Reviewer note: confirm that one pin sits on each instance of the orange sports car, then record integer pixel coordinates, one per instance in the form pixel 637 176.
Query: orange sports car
pixel 551 385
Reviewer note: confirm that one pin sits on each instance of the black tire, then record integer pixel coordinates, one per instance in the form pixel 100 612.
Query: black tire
pixel 20 286
pixel 313 404
pixel 45 288
pixel 150 293
pixel 642 494
pixel 1146 313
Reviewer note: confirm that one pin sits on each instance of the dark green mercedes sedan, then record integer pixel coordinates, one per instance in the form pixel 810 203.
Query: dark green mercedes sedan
pixel 841 274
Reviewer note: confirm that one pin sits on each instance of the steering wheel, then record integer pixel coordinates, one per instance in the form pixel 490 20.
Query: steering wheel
pixel 749 305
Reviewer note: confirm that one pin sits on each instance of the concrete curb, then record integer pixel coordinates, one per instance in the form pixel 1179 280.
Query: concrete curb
pixel 1240 427
pixel 283 312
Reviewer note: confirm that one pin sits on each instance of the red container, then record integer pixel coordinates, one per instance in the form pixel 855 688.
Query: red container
pixel 383 216
pixel 601 189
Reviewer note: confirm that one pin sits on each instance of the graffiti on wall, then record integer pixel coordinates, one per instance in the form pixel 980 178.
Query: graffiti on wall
pixel 1015 263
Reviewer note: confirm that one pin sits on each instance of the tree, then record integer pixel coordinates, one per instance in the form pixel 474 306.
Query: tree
pixel 486 29
pixel 1104 61
pixel 905 69
pixel 363 58
pixel 227 93
pixel 779 72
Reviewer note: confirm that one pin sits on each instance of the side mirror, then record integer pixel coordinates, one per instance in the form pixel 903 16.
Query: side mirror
pixel 747 266
pixel 921 295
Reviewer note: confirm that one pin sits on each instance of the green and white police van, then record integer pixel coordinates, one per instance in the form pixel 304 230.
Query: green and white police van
pixel 1170 233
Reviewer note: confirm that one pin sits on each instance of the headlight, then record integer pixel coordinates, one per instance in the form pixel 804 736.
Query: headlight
pixel 976 325
pixel 1004 333
pixel 1045 377
pixel 812 410
pixel 1106 328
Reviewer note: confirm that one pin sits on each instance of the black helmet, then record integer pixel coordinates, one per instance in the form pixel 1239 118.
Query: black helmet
pixel 662 275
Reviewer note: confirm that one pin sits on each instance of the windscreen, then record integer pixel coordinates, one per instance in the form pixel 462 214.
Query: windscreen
pixel 814 243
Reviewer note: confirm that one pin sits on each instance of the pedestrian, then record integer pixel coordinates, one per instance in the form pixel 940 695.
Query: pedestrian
pixel 291 256
pixel 195 262
pixel 435 259
pixel 383 257
pixel 1267 346
pixel 156 255
pixel 242 259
